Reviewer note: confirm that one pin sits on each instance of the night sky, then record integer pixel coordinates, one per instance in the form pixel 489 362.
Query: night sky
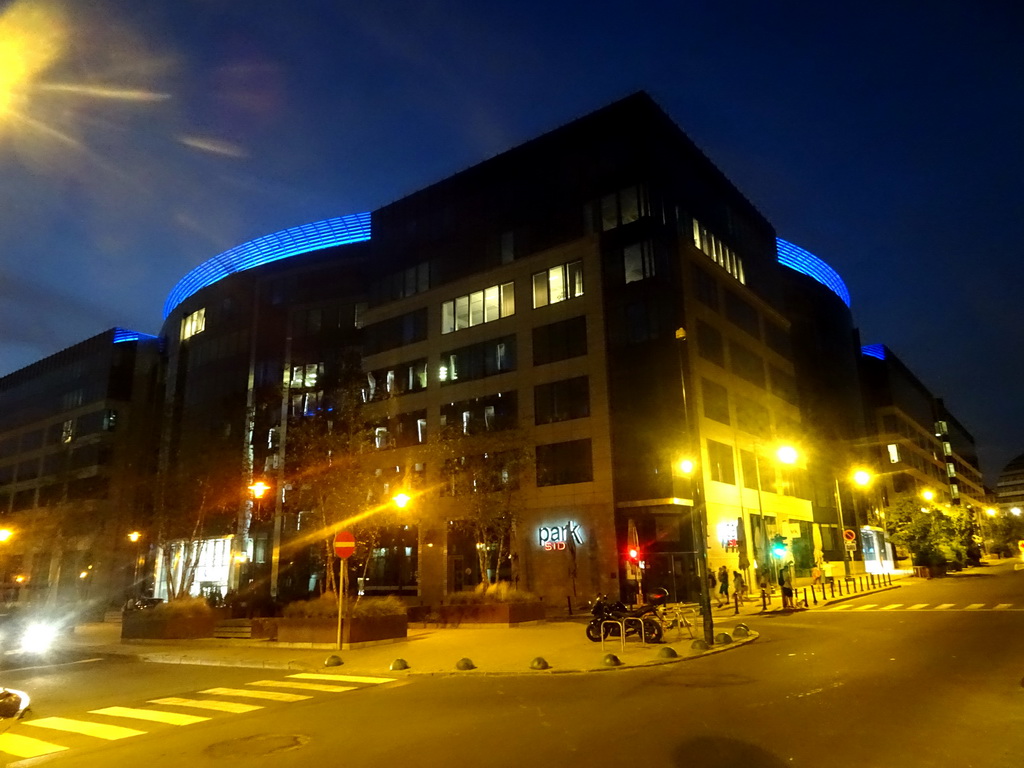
pixel 145 137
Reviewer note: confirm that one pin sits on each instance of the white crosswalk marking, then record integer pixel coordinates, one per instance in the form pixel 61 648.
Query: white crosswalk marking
pixel 917 606
pixel 250 694
pixel 1003 607
pixel 943 607
pixel 25 746
pixel 153 715
pixel 323 687
pixel 892 606
pixel 975 606
pixel 84 727
pixel 867 607
pixel 843 607
pixel 342 678
pixel 235 707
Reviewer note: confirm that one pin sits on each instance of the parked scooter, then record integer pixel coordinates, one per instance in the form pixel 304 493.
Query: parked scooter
pixel 605 610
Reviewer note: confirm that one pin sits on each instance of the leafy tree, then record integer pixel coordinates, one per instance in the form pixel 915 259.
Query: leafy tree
pixel 483 472
pixel 925 532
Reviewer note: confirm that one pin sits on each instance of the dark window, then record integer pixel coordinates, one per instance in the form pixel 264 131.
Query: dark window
pixel 889 424
pixel 561 400
pixel 746 364
pixel 749 467
pixel 642 321
pixel 709 343
pixel 777 338
pixel 742 315
pixel 564 463
pixel 28 470
pixel 25 499
pixel 482 414
pixel 410 428
pixel 752 416
pixel 705 287
pixel 478 361
pixel 723 470
pixel 396 331
pixel 784 385
pixel 638 262
pixel 32 440
pixel 6 474
pixel 560 341
pixel 716 401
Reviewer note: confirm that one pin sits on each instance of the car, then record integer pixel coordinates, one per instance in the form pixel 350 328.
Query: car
pixel 22 631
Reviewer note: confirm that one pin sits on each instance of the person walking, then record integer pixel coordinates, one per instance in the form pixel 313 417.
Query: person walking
pixel 712 583
pixel 739 586
pixel 723 586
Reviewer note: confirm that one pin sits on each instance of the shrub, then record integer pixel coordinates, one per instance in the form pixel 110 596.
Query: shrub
pixel 501 592
pixel 326 607
pixel 184 607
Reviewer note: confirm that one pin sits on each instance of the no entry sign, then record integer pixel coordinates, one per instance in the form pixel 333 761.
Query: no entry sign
pixel 344 544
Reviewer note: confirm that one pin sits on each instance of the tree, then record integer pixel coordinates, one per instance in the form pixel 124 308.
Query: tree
pixel 483 473
pixel 201 493
pixel 925 532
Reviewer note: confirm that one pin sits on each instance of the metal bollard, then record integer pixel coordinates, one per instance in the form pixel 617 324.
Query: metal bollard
pixel 814 594
pixel 861 579
pixel 831 588
pixel 805 597
pixel 764 599
pixel 841 588
pixel 736 600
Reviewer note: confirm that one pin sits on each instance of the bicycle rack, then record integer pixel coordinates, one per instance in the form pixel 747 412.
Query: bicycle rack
pixel 622 624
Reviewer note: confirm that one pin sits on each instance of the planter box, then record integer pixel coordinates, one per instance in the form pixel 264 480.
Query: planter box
pixel 491 613
pixel 151 625
pixel 325 631
pixel 929 571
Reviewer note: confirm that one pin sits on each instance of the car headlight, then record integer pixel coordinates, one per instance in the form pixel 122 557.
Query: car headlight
pixel 38 637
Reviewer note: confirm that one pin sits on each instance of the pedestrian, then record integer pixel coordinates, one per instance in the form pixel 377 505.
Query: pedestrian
pixel 816 574
pixel 786 584
pixel 739 586
pixel 712 582
pixel 723 586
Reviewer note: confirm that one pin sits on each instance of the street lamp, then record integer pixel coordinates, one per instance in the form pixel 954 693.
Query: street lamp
pixel 698 528
pixel 401 500
pixel 5 534
pixel 135 537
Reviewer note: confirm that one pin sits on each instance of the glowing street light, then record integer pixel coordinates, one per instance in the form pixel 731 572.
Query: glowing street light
pixel 5 534
pixel 686 467
pixel 259 489
pixel 1015 511
pixel 862 477
pixel 787 454
pixel 990 512
pixel 928 495
pixel 134 537
pixel 401 500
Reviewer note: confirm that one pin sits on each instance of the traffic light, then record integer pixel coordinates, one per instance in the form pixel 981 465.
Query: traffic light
pixel 633 555
pixel 778 546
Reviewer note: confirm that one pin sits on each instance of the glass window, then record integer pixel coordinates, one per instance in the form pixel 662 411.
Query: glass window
pixel 448 316
pixel 556 285
pixel 564 463
pixel 710 345
pixel 540 290
pixel 476 308
pixel 492 307
pixel 716 401
pixel 574 279
pixel 720 459
pixel 461 313
pixel 508 299
pixel 629 205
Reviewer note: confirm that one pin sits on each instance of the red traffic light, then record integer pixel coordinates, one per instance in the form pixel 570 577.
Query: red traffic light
pixel 633 554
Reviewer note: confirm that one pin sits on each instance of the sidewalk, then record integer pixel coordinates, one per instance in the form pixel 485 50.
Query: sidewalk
pixel 561 643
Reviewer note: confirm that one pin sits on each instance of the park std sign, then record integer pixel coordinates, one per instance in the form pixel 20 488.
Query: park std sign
pixel 553 538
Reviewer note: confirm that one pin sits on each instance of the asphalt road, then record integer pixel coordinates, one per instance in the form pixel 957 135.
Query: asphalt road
pixel 926 675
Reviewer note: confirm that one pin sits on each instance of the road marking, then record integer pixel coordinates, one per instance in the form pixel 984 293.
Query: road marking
pixel 84 727
pixel 892 606
pixel 217 706
pixel 154 715
pixel 943 607
pixel 25 746
pixel 269 695
pixel 304 686
pixel 867 607
pixel 974 606
pixel 842 607
pixel 917 606
pixel 343 678
pixel 1003 607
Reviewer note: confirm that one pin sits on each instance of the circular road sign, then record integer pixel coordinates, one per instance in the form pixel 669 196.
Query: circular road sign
pixel 850 535
pixel 344 544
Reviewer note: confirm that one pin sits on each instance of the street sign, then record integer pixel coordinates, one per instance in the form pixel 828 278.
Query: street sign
pixel 850 535
pixel 851 546
pixel 344 544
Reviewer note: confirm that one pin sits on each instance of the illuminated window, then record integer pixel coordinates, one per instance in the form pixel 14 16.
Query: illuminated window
pixel 638 262
pixel 894 453
pixel 492 303
pixel 193 324
pixel 67 431
pixel 558 284
pixel 718 251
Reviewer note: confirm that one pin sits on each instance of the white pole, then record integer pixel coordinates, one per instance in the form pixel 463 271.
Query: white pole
pixel 341 597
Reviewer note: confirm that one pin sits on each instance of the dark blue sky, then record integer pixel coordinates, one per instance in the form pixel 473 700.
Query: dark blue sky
pixel 884 137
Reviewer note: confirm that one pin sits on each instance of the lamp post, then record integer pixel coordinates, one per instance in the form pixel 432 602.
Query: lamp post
pixel 135 537
pixel 863 478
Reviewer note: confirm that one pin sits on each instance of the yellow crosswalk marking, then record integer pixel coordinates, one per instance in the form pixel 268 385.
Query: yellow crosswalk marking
pixel 84 727
pixel 892 606
pixel 342 678
pixel 975 606
pixel 843 607
pixel 917 606
pixel 867 607
pixel 1003 607
pixel 25 746
pixel 943 607
pixel 216 706
pixel 154 715
pixel 304 686
pixel 250 694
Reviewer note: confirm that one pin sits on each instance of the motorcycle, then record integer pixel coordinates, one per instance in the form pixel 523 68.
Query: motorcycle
pixel 603 610
pixel 13 704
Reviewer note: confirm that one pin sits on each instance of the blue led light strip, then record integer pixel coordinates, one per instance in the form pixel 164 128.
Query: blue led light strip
pixel 343 230
pixel 874 350
pixel 123 334
pixel 806 263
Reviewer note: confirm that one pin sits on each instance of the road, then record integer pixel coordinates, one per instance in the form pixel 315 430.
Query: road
pixel 926 675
